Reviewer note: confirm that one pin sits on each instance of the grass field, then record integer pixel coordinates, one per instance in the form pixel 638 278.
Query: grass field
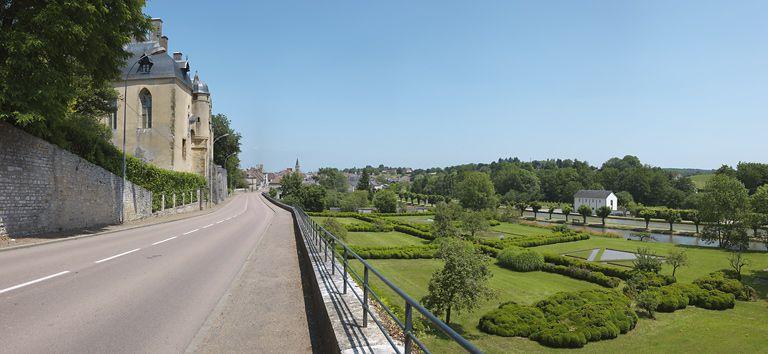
pixel 415 219
pixel 520 230
pixel 343 221
pixel 701 180
pixel 702 260
pixel 382 239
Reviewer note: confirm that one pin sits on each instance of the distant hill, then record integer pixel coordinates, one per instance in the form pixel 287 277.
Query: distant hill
pixel 688 172
pixel 701 180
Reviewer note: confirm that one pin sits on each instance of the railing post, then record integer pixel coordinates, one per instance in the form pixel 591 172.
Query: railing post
pixel 365 295
pixel 408 328
pixel 174 200
pixel 162 202
pixel 345 270
pixel 183 198
pixel 333 254
pixel 325 244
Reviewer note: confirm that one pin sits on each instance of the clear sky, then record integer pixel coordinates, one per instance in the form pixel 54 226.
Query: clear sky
pixel 436 83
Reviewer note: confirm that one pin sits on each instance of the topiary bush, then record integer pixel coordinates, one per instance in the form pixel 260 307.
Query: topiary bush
pixel 405 252
pixel 520 260
pixel 582 274
pixel 513 320
pixel 671 299
pixel 719 281
pixel 717 300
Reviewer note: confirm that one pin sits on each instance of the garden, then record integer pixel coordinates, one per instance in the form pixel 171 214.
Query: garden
pixel 557 288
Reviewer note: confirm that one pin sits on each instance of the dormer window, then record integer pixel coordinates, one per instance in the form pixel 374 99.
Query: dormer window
pixel 145 65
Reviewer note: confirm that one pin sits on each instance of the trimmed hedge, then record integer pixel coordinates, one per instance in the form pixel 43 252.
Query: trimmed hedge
pixel 520 260
pixel 413 232
pixel 570 320
pixel 513 320
pixel 623 274
pixel 582 274
pixel 533 241
pixel 350 214
pixel 406 252
pixel 717 300
pixel 720 281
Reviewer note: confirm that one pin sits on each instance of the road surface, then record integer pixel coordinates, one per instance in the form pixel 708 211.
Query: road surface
pixel 147 290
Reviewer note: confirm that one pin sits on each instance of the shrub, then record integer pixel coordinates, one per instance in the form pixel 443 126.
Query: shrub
pixel 719 281
pixel 520 260
pixel 649 301
pixel 406 252
pixel 582 274
pixel 410 230
pixel 595 267
pixel 335 227
pixel 513 320
pixel 570 320
pixel 717 300
pixel 671 299
pixel 641 281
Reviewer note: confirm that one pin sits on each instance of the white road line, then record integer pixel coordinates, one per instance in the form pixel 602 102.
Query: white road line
pixel 206 226
pixel 167 239
pixel 220 221
pixel 33 282
pixel 117 255
pixel 191 231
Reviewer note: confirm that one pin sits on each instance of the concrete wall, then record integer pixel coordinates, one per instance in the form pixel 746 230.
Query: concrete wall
pixel 45 189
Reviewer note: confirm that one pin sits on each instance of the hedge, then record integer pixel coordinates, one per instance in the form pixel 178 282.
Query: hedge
pixel 406 252
pixel 351 214
pixel 720 281
pixel 368 227
pixel 520 260
pixel 574 262
pixel 414 232
pixel 564 320
pixel 533 241
pixel 161 181
pixel 582 274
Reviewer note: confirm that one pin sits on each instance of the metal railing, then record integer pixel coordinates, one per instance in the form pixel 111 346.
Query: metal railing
pixel 324 243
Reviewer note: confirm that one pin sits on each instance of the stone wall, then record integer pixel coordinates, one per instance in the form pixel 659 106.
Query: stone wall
pixel 45 189
pixel 219 184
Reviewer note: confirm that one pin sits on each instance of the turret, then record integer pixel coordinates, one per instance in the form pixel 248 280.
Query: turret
pixel 201 106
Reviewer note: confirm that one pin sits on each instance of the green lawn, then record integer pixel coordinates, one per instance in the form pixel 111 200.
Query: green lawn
pixel 520 230
pixel 701 180
pixel 702 260
pixel 414 219
pixel 583 254
pixel 382 239
pixel 343 221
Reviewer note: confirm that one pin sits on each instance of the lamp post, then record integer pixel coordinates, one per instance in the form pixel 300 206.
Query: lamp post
pixel 143 57
pixel 210 165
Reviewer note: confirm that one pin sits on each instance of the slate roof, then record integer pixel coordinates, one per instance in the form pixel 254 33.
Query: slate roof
pixel 592 193
pixel 163 64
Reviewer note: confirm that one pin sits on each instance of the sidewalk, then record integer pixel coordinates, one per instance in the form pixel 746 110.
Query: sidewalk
pixel 28 241
pixel 264 312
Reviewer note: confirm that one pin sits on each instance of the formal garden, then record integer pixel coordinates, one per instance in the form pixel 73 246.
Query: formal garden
pixel 548 287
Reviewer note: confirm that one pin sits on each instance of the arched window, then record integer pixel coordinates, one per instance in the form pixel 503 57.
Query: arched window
pixel 146 108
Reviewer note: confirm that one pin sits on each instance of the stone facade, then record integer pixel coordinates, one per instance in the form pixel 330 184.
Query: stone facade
pixel 219 184
pixel 45 189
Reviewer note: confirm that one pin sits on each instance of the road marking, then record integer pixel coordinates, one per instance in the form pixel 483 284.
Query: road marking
pixel 117 255
pixel 206 226
pixel 191 231
pixel 220 221
pixel 33 281
pixel 167 239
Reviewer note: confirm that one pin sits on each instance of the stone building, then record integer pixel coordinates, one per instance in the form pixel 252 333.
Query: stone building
pixel 168 119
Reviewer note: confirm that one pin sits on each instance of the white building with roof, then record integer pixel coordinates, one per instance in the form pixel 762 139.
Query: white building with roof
pixel 595 199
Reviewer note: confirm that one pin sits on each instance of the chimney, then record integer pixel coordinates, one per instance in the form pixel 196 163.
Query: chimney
pixel 177 56
pixel 157 30
pixel 164 42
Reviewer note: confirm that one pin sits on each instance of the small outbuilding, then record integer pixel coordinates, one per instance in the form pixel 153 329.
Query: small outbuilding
pixel 595 198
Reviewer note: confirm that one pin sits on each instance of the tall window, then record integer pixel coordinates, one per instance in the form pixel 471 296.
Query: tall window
pixel 146 108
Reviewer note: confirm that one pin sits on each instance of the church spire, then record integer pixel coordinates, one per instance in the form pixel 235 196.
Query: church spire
pixel 298 167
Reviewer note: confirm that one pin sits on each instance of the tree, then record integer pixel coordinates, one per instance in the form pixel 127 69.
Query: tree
pixel 584 211
pixel 671 216
pixel 445 216
pixel 291 185
pixel 226 151
pixel 755 221
pixel 364 184
pixel 335 227
pixel 567 210
pixel 312 197
pixel 473 222
pixel 332 179
pixel 646 214
pixel 737 261
pixel 677 259
pixel 536 206
pixel 462 282
pixel 521 205
pixel 647 261
pixel 722 206
pixel 642 236
pixel 752 175
pixel 476 191
pixel 624 199
pixel 55 55
pixel 649 300
pixel 353 201
pixel 603 212
pixel 759 201
pixel 385 201
pixel 551 211
pixel 695 216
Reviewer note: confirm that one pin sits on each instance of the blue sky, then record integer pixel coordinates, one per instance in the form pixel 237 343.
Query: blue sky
pixel 437 83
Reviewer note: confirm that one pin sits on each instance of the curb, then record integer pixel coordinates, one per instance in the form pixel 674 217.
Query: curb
pixel 209 211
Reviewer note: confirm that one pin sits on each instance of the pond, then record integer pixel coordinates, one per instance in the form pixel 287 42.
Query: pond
pixel 675 239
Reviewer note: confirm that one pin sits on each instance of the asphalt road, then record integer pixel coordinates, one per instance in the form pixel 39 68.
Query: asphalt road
pixel 147 290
